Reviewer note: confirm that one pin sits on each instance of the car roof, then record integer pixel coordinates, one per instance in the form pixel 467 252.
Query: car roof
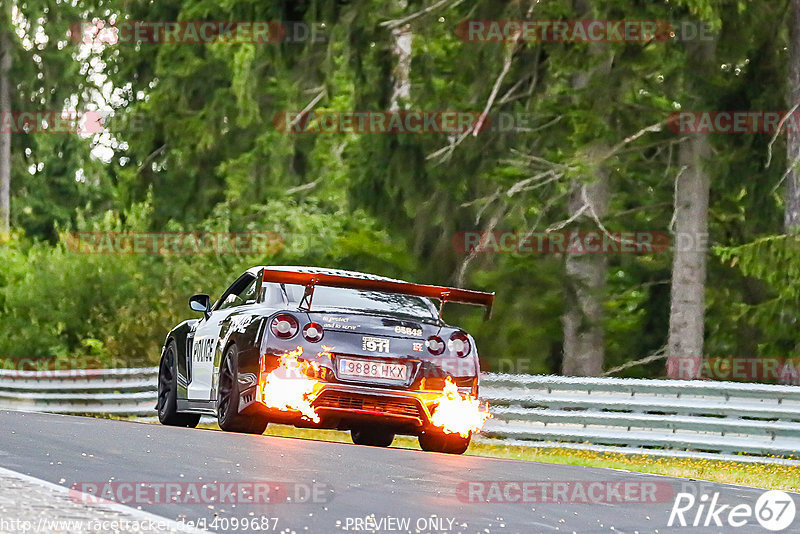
pixel 321 270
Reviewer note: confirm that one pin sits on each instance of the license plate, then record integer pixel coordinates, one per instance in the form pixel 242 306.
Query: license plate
pixel 366 369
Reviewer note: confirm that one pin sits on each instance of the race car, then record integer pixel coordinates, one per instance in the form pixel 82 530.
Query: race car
pixel 324 348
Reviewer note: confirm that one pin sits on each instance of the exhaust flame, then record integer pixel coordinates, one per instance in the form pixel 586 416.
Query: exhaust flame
pixel 289 388
pixel 456 414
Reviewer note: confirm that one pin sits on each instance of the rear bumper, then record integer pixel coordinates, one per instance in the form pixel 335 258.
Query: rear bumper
pixel 343 406
pixel 351 402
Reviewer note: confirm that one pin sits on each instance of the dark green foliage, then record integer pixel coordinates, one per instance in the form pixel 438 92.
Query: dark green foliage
pixel 198 151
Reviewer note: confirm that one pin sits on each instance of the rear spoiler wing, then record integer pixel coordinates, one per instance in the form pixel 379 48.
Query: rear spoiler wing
pixel 443 294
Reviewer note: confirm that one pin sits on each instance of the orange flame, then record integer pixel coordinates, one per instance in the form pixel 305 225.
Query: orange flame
pixel 288 387
pixel 456 414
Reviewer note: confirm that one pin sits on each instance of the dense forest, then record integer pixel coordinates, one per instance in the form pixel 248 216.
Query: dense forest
pixel 564 135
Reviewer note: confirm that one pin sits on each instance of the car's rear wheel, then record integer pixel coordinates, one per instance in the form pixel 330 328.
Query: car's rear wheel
pixel 372 436
pixel 168 392
pixel 228 414
pixel 437 441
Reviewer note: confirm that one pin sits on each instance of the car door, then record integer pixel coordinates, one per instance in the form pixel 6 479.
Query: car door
pixel 206 337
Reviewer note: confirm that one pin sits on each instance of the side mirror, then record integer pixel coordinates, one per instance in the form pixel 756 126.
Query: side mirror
pixel 200 303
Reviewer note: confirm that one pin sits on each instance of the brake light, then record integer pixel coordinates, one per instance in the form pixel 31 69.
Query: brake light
pixel 284 326
pixel 313 332
pixel 435 345
pixel 459 344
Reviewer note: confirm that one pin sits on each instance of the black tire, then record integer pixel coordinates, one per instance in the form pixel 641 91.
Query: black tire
pixel 373 436
pixel 436 441
pixel 168 392
pixel 228 416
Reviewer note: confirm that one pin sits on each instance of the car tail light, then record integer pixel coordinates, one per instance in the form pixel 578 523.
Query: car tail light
pixel 284 326
pixel 313 332
pixel 435 345
pixel 459 344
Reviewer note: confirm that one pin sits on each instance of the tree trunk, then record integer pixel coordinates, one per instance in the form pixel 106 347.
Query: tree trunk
pixel 5 108
pixel 687 307
pixel 687 303
pixel 791 211
pixel 583 319
pixel 792 208
pixel 401 48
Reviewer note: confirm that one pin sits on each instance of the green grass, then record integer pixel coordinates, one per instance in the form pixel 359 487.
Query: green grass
pixel 760 475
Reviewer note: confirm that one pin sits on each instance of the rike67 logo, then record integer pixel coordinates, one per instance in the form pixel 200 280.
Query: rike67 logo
pixel 774 510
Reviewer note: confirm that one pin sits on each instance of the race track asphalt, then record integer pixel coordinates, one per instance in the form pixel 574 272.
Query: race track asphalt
pixel 331 487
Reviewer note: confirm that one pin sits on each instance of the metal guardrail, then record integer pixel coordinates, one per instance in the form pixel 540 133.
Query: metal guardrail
pixel 89 391
pixel 700 415
pixel 705 416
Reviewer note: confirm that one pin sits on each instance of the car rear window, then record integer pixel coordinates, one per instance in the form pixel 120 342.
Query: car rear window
pixel 342 299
